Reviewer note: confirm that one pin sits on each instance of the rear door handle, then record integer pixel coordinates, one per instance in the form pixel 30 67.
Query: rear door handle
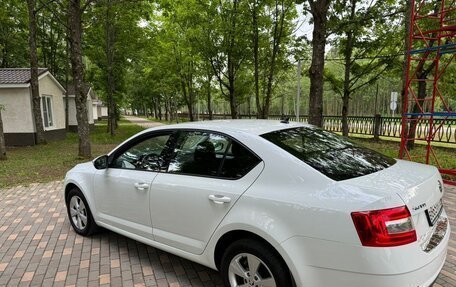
pixel 141 186
pixel 219 199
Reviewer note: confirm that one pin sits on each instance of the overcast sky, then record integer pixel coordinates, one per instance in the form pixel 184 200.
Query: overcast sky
pixel 302 24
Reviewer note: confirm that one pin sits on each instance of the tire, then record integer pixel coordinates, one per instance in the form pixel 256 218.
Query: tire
pixel 270 265
pixel 75 199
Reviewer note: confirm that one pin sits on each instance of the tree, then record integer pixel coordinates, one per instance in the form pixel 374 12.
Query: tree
pixel 34 87
pixel 13 34
pixel 366 38
pixel 319 10
pixel 2 138
pixel 271 24
pixel 116 43
pixel 227 49
pixel 75 12
pixel 406 38
pixel 51 37
pixel 421 72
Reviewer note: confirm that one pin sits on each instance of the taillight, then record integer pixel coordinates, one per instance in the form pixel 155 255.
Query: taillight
pixel 385 228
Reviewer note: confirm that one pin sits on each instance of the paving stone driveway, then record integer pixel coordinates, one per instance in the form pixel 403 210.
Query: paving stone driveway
pixel 39 248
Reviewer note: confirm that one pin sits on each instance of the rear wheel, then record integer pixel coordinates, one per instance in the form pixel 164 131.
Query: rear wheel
pixel 79 213
pixel 251 263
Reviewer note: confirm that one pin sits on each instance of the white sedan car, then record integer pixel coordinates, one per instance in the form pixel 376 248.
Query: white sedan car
pixel 268 203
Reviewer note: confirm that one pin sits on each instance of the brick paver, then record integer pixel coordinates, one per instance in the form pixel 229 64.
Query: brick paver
pixel 38 247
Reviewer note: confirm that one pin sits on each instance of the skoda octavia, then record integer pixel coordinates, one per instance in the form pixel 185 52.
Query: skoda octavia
pixel 268 203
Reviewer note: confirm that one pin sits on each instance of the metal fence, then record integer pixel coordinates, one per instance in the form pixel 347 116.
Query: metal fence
pixel 444 131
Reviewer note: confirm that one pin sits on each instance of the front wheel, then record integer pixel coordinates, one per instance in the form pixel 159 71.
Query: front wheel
pixel 251 263
pixel 79 213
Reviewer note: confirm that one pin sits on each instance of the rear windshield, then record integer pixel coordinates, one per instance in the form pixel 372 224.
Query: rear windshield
pixel 330 154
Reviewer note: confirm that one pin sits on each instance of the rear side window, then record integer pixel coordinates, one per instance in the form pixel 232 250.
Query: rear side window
pixel 238 161
pixel 330 154
pixel 211 154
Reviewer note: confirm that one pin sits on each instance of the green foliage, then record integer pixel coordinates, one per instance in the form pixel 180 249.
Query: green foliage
pixel 44 163
pixel 13 34
pixel 367 36
pixel 169 56
pixel 114 40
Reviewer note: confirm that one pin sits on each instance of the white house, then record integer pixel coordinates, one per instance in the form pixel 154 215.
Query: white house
pixel 100 111
pixel 91 101
pixel 15 96
pixel 96 110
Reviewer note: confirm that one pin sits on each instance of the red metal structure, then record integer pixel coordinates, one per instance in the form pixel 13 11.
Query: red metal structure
pixel 425 106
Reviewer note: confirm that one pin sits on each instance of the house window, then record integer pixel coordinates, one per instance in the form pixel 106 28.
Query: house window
pixel 46 107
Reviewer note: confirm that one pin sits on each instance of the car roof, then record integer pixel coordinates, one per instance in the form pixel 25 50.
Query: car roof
pixel 255 127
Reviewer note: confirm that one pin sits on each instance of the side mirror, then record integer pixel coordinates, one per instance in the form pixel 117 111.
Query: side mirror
pixel 101 162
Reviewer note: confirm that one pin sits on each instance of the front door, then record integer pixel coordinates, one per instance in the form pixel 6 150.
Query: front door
pixel 206 176
pixel 122 190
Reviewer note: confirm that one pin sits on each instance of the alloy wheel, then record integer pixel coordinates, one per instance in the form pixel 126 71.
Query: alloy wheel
pixel 78 212
pixel 247 270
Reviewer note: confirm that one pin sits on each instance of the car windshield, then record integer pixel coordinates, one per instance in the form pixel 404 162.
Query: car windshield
pixel 330 154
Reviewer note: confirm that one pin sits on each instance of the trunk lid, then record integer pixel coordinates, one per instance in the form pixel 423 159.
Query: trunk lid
pixel 419 186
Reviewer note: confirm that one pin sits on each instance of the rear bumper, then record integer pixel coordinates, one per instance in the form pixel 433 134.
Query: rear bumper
pixel 325 263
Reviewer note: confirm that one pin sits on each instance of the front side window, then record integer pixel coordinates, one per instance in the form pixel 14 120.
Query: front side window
pixel 330 154
pixel 149 154
pixel 211 154
pixel 46 108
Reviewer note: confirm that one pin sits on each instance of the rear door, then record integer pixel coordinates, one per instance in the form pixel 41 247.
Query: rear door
pixel 206 175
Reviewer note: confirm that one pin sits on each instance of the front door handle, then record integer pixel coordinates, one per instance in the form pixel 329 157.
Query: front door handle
pixel 141 186
pixel 219 199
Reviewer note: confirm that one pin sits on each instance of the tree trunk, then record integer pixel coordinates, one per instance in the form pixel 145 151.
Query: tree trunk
pixel 191 96
pixel 34 85
pixel 345 128
pixel 2 139
pixel 407 19
pixel 67 71
pixel 231 64
pixel 319 10
pixel 407 22
pixel 256 58
pixel 160 116
pixel 346 94
pixel 233 105
pixel 154 104
pixel 75 29
pixel 209 96
pixel 187 98
pixel 110 77
pixel 421 74
pixel 277 38
pixel 348 51
pixel 411 133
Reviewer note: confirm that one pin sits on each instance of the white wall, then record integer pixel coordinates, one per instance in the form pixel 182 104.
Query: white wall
pixel 49 88
pixel 72 111
pixel 90 109
pixel 95 111
pixel 17 113
pixel 104 112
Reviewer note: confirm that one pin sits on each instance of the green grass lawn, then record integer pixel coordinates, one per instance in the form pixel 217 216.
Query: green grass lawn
pixel 49 162
pixel 446 156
